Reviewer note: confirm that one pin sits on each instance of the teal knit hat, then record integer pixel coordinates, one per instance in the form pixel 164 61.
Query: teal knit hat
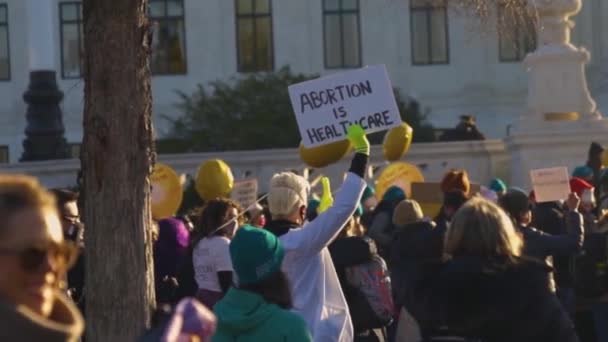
pixel 497 185
pixel 394 194
pixel 367 193
pixel 256 253
pixel 583 172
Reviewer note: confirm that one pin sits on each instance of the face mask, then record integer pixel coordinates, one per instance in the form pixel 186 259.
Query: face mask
pixel 229 227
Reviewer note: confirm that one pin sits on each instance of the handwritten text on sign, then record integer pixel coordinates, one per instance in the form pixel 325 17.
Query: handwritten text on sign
pixel 551 184
pixel 245 192
pixel 327 106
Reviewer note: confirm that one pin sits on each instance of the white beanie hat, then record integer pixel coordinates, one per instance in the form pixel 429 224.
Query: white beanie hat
pixel 288 192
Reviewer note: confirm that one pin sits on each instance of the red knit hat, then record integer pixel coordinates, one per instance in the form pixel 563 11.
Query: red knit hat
pixel 579 186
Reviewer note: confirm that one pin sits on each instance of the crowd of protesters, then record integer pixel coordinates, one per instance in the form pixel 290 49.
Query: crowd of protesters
pixel 496 265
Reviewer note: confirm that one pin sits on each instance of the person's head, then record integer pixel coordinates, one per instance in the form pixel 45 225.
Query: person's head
pixel 456 180
pixel 219 217
pixel 255 215
pixel 516 204
pixel 595 155
pixel 311 210
pixel 368 199
pixel 288 197
pixel 256 256
pixel 407 212
pixel 480 228
pixel 498 186
pixel 394 194
pixel 452 201
pixel 67 207
pixel 33 254
pixel 583 172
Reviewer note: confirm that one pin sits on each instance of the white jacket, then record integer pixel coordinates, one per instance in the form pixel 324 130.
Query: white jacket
pixel 316 291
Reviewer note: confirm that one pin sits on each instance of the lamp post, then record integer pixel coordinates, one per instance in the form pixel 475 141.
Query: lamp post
pixel 44 131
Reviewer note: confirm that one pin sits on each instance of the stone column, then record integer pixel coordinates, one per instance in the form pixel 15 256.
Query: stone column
pixel 45 131
pixel 561 119
pixel 557 87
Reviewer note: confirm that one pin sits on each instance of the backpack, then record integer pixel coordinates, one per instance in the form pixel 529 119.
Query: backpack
pixel 370 284
pixel 590 268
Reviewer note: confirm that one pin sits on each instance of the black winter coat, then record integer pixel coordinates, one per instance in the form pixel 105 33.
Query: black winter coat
pixel 499 301
pixel 415 256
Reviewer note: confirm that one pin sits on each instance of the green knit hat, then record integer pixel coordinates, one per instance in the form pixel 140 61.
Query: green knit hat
pixel 256 253
pixel 367 193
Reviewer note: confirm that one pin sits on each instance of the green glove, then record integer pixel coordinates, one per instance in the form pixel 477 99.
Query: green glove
pixel 357 137
pixel 327 200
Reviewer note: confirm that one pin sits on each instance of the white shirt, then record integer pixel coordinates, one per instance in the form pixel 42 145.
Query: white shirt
pixel 211 255
pixel 316 291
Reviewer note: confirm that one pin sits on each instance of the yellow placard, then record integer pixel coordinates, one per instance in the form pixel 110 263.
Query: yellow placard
pixel 398 174
pixel 167 193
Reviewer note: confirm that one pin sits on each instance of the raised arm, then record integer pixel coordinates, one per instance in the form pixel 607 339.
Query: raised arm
pixel 315 235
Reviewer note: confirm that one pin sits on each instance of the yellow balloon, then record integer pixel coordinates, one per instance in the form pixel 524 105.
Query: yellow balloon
pixel 398 174
pixel 167 193
pixel 324 155
pixel 397 142
pixel 214 179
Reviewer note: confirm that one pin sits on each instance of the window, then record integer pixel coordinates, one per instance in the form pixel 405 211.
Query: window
pixel 254 35
pixel 342 33
pixel 169 38
pixel 429 32
pixel 70 17
pixel 4 154
pixel 516 37
pixel 74 150
pixel 5 59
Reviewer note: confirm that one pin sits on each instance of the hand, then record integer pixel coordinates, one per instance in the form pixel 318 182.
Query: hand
pixel 357 137
pixel 573 202
pixel 327 199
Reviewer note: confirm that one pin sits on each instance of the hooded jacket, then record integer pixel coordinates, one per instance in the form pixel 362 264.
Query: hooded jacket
pixel 244 316
pixel 18 323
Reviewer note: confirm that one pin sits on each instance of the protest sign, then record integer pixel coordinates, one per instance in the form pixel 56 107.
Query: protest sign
pixel 327 106
pixel 245 192
pixel 550 185
pixel 398 174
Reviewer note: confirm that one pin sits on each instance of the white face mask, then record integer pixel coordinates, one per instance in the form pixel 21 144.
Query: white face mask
pixel 229 227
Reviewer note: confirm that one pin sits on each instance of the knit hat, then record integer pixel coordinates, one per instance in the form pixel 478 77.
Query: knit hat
pixel 583 172
pixel 497 185
pixel 256 254
pixel 407 212
pixel 515 202
pixel 579 186
pixel 456 180
pixel 394 194
pixel 595 149
pixel 367 193
pixel 311 209
pixel 359 211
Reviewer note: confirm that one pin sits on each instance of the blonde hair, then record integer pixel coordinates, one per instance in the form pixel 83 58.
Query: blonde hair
pixel 482 228
pixel 288 192
pixel 407 212
pixel 18 192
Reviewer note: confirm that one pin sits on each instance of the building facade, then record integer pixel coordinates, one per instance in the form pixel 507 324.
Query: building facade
pixel 451 64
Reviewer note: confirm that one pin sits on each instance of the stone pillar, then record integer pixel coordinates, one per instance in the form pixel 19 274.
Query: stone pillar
pixel 561 118
pixel 557 88
pixel 45 131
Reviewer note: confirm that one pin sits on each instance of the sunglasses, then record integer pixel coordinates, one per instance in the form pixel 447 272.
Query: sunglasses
pixel 62 255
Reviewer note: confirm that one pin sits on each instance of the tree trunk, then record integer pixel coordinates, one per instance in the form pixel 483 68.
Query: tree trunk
pixel 117 158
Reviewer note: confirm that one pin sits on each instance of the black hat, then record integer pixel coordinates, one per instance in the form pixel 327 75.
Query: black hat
pixel 515 202
pixel 595 149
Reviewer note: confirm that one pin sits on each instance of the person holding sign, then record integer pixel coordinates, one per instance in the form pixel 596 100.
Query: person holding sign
pixel 538 244
pixel 317 295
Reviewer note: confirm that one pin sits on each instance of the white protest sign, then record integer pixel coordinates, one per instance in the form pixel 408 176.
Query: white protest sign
pixel 327 106
pixel 245 192
pixel 550 185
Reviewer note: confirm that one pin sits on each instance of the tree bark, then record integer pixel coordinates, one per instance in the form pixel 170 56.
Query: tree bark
pixel 117 159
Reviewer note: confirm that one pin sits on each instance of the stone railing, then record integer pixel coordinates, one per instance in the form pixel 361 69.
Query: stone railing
pixel 482 159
